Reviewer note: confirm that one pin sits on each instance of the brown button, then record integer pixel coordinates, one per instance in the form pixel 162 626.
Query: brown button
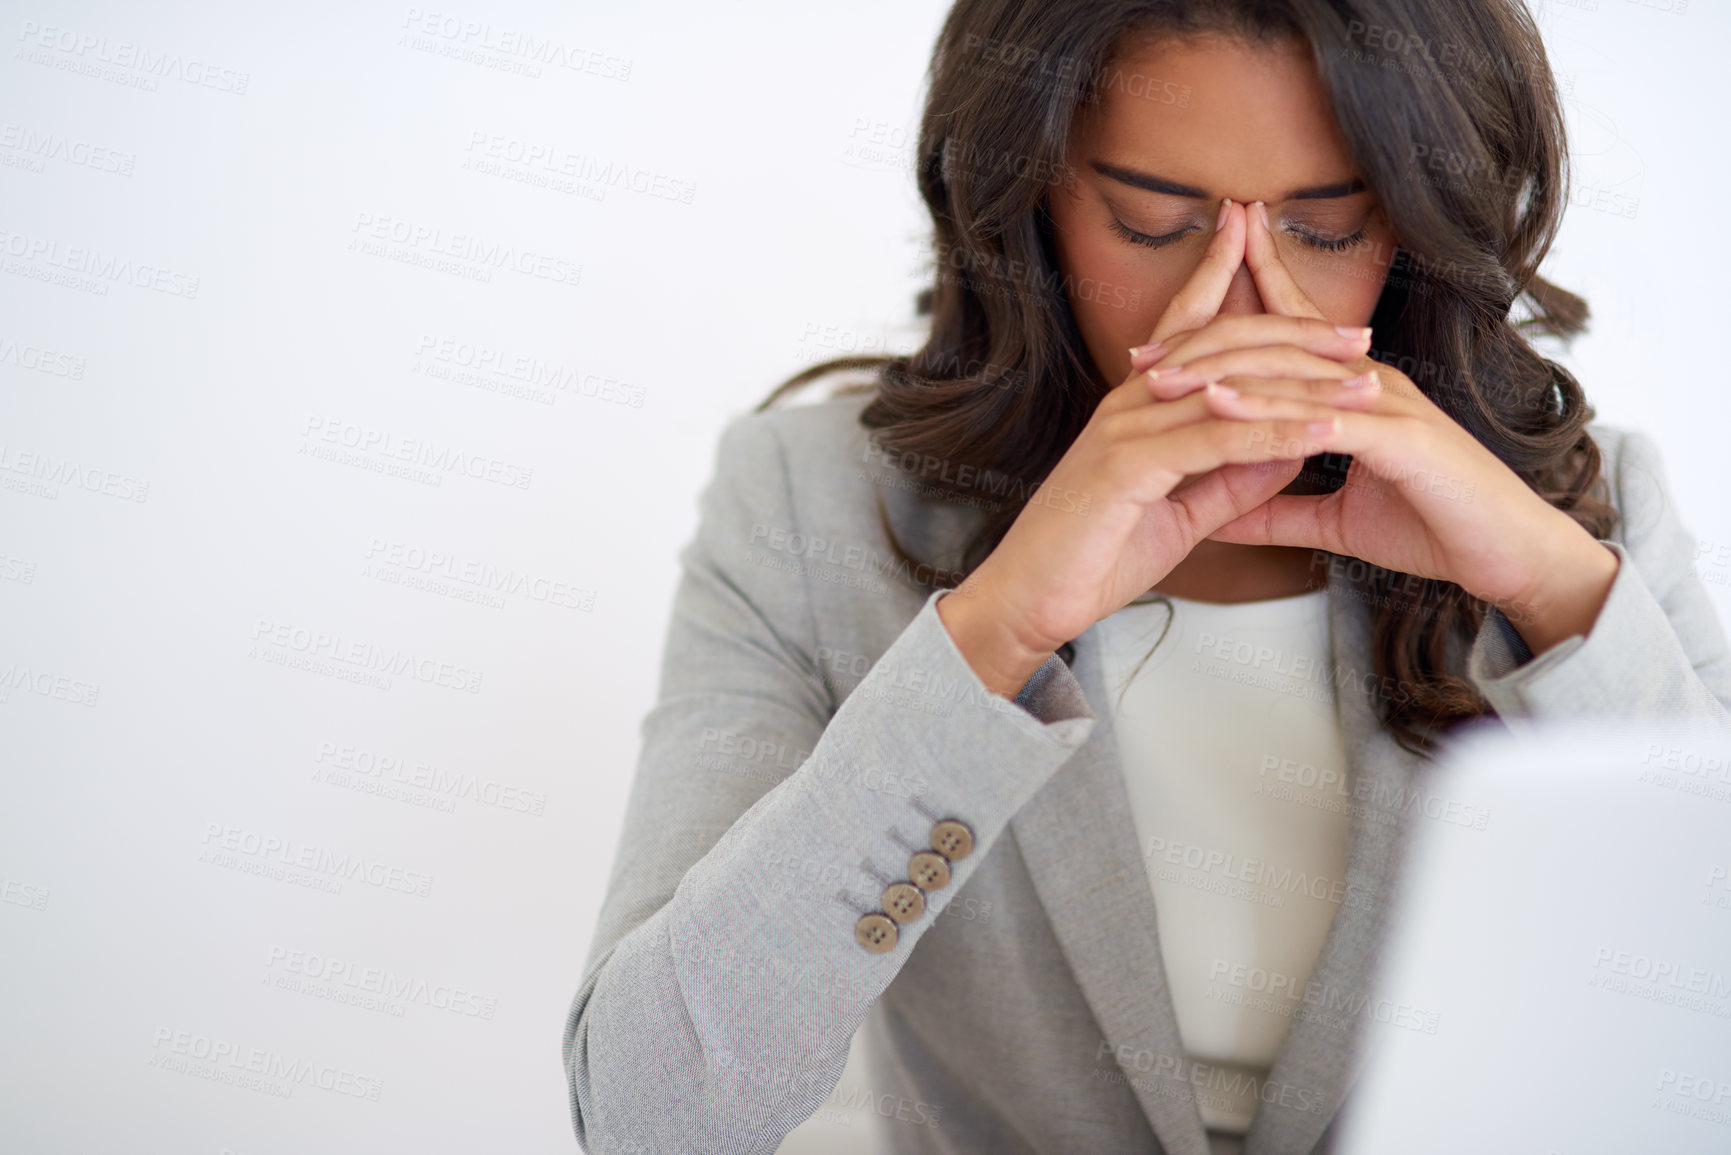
pixel 929 870
pixel 876 933
pixel 952 839
pixel 903 901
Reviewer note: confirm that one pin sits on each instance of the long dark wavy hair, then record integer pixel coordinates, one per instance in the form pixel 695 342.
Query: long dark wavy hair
pixel 1005 383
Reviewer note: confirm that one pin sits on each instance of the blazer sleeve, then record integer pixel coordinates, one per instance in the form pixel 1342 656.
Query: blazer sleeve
pixel 1657 649
pixel 724 981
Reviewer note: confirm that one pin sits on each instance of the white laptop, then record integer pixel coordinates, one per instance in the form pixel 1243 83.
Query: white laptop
pixel 1560 978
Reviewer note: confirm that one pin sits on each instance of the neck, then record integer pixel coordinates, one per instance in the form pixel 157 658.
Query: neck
pixel 1218 571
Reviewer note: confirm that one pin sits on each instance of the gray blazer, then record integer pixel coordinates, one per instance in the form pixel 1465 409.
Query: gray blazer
pixel 815 722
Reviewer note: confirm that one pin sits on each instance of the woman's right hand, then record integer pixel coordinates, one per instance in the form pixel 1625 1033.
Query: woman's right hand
pixel 1147 478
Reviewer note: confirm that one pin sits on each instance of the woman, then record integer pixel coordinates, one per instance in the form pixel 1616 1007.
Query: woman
pixel 1227 405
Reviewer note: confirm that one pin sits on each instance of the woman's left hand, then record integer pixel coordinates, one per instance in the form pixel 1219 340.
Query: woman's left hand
pixel 1422 495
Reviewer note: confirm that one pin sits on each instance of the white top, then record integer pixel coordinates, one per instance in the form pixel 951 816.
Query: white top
pixel 1233 759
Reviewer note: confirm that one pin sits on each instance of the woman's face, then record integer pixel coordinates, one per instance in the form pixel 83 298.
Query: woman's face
pixel 1183 124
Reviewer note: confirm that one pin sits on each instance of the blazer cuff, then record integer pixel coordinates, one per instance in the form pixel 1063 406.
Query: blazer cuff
pixel 1630 662
pixel 957 750
pixel 1051 693
pixel 921 707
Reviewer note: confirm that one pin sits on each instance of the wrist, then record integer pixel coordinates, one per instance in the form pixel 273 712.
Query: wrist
pixel 1567 600
pixel 994 650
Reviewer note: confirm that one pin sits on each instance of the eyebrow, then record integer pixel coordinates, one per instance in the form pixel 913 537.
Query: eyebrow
pixel 1153 183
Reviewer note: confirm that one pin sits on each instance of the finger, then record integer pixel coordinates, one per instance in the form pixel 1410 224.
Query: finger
pixel 1166 459
pixel 1152 418
pixel 1381 441
pixel 1133 393
pixel 1256 361
pixel 1308 521
pixel 1349 394
pixel 1200 297
pixel 1274 284
pixel 1252 400
pixel 1432 462
pixel 1144 357
pixel 1222 496
pixel 1426 459
pixel 1361 391
pixel 1258 330
pixel 1224 400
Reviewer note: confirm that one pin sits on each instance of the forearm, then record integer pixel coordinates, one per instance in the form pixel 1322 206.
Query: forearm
pixel 746 986
pixel 1631 663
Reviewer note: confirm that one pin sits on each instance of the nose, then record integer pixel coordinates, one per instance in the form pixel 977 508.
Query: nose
pixel 1241 294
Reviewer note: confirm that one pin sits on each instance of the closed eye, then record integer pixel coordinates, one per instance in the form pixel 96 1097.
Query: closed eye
pixel 1327 244
pixel 1136 238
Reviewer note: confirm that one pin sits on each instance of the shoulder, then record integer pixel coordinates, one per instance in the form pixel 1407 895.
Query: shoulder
pixel 1636 482
pixel 1632 471
pixel 798 469
pixel 795 441
pixel 815 473
pixel 1611 440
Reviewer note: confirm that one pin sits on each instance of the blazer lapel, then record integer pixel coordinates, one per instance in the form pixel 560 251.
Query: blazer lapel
pixel 1079 842
pixel 1081 848
pixel 1321 1055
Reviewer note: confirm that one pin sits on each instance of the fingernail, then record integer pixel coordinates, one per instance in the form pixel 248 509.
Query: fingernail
pixel 1262 211
pixel 1216 389
pixel 1361 381
pixel 1145 350
pixel 1225 207
pixel 1361 333
pixel 1323 428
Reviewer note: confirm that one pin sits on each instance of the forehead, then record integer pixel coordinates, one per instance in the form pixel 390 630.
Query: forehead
pixel 1234 118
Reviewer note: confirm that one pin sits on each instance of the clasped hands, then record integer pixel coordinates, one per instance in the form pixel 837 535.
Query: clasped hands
pixel 1422 495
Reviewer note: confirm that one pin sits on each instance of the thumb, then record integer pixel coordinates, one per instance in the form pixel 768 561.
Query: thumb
pixel 1225 495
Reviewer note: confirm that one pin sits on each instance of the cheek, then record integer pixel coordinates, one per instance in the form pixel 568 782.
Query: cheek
pixel 1116 291
pixel 1345 286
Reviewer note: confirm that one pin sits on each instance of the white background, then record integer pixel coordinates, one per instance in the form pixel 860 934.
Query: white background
pixel 790 232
